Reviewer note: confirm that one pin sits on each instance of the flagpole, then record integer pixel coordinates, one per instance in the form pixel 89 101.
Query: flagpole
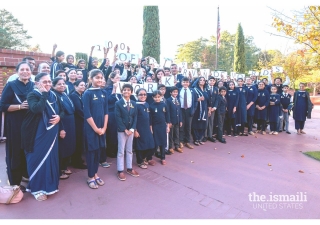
pixel 217 42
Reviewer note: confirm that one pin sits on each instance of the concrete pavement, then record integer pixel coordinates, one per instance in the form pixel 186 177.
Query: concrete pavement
pixel 238 180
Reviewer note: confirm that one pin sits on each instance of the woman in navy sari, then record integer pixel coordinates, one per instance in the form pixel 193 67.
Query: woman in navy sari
pixel 39 133
pixel 241 118
pixel 262 103
pixel 14 104
pixel 199 120
pixel 232 104
pixel 67 144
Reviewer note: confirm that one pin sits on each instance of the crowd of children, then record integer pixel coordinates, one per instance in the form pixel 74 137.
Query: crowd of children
pixel 101 122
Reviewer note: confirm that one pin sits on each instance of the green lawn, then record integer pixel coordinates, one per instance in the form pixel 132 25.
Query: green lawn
pixel 315 155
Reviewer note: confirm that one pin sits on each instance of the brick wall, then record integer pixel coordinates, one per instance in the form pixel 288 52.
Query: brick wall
pixel 10 58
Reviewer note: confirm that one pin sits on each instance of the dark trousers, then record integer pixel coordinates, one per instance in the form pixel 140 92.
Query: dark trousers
pixel 15 174
pixel 64 162
pixel 231 122
pixel 273 126
pixel 220 120
pixel 93 159
pixel 299 125
pixel 76 158
pixel 240 128
pixel 174 136
pixel 103 155
pixel 185 129
pixel 261 125
pixel 144 154
pixel 162 152
pixel 250 123
pixel 198 134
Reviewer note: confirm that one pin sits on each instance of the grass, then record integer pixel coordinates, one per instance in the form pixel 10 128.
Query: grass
pixel 315 155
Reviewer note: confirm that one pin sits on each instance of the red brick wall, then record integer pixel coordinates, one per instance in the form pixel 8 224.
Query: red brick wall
pixel 10 58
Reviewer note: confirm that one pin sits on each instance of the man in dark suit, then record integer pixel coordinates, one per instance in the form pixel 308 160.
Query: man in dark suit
pixel 213 94
pixel 189 103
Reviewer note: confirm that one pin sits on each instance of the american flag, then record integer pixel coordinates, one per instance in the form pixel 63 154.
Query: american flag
pixel 218 31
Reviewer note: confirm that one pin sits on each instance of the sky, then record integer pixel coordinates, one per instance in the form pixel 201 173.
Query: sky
pixel 75 26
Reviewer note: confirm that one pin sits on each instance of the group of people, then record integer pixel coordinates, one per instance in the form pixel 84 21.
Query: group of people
pixel 68 113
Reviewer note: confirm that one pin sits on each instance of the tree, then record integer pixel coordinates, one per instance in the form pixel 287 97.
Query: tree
pixel 239 65
pixel 302 27
pixel 297 68
pixel 191 51
pixel 151 32
pixel 12 34
pixel 80 55
pixel 204 50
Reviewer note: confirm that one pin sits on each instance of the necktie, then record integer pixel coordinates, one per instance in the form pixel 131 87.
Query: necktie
pixel 175 101
pixel 128 106
pixel 211 90
pixel 185 99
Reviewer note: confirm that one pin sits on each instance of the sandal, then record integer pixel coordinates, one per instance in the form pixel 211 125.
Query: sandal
pixel 64 176
pixel 68 172
pixel 40 197
pixel 163 162
pixel 99 181
pixel 143 166
pixel 92 184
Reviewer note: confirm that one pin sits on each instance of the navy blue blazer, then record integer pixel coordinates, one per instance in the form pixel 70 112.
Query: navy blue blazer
pixel 174 110
pixel 221 105
pixel 212 96
pixel 194 100
pixel 126 119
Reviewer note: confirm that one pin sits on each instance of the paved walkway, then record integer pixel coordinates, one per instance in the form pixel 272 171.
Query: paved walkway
pixel 209 182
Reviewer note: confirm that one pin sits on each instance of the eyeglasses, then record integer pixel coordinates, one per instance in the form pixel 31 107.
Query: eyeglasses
pixel 142 94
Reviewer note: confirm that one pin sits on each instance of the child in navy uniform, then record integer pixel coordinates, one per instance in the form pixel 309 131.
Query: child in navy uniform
pixel 221 109
pixel 159 120
pixel 285 100
pixel 274 110
pixel 95 110
pixel 143 141
pixel 174 109
pixel 126 117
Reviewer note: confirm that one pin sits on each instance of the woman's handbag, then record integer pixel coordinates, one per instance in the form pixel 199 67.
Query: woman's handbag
pixel 10 194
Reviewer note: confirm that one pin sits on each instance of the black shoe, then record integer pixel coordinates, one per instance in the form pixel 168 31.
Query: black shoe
pixel 196 143
pixel 168 153
pixel 245 134
pixel 204 139
pixel 279 131
pixel 23 188
pixel 80 166
pixel 223 141
pixel 288 132
pixel 212 139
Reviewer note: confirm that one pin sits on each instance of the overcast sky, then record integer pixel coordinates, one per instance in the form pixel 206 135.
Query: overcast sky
pixel 76 26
